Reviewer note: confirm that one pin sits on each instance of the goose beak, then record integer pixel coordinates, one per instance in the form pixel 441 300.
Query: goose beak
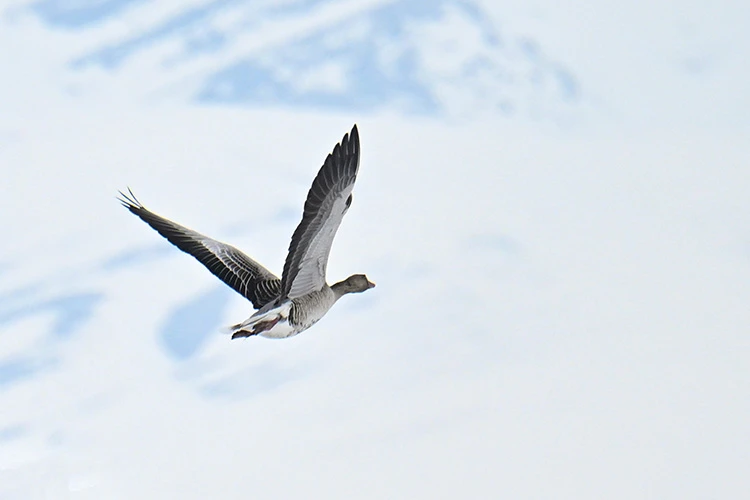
pixel 370 284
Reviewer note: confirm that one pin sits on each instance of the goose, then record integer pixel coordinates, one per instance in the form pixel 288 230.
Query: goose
pixel 294 303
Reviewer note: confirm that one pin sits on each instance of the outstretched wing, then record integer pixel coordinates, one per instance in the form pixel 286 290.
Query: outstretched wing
pixel 243 274
pixel 328 200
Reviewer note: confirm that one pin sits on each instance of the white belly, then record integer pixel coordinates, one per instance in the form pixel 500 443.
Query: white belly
pixel 280 330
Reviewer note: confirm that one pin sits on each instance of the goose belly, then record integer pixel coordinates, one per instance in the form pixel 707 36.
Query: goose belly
pixel 291 317
pixel 280 330
pixel 309 309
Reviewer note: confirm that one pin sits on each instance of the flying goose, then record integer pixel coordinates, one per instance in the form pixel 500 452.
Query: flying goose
pixel 294 303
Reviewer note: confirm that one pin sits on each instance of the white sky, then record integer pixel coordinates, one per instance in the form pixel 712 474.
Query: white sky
pixel 560 313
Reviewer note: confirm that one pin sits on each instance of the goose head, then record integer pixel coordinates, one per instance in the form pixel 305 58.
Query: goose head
pixel 356 283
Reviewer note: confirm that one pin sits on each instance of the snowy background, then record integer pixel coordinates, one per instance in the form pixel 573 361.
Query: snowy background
pixel 553 201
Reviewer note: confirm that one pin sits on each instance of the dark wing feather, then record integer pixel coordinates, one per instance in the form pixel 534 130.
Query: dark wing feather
pixel 327 201
pixel 243 274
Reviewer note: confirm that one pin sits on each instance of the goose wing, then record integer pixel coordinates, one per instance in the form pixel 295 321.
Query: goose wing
pixel 327 201
pixel 243 274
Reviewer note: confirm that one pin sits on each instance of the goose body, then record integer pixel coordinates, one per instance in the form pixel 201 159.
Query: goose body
pixel 298 300
pixel 288 318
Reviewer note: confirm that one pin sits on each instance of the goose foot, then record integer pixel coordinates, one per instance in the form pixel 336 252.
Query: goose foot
pixel 258 328
pixel 242 333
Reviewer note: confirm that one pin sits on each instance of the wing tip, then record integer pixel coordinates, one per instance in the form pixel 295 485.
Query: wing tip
pixel 129 201
pixel 353 140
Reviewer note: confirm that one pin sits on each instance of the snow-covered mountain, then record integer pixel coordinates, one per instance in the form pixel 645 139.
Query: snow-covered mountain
pixel 423 57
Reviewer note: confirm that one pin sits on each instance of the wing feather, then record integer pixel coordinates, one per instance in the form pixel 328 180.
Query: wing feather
pixel 240 272
pixel 327 202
